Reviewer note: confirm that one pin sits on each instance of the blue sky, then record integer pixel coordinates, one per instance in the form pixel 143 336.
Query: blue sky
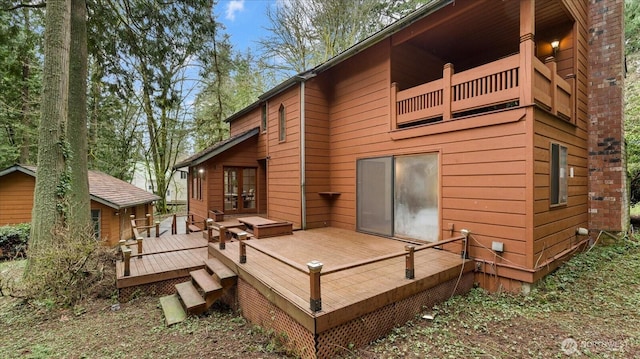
pixel 244 21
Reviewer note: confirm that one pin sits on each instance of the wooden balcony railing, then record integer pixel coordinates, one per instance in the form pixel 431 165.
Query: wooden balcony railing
pixel 483 88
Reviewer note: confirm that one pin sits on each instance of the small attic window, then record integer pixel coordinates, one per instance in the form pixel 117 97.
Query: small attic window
pixel 282 124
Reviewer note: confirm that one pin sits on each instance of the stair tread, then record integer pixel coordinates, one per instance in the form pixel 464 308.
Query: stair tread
pixel 173 311
pixel 223 272
pixel 194 228
pixel 190 295
pixel 205 281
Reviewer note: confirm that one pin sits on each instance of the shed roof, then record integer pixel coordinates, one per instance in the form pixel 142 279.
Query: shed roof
pixel 217 149
pixel 103 188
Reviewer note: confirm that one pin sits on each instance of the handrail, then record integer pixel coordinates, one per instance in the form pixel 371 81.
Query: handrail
pixel 390 256
pixel 280 258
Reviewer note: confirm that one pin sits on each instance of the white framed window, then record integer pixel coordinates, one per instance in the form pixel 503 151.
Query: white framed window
pixel 558 186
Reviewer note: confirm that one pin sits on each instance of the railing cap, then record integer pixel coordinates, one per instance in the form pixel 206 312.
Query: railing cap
pixel 314 266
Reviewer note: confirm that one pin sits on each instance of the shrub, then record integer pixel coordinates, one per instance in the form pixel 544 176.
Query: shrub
pixel 13 240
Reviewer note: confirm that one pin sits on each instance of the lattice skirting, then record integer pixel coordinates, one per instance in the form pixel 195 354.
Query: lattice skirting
pixel 358 332
pixel 165 287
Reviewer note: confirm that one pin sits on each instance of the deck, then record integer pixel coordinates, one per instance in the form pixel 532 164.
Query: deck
pixel 347 293
pixel 364 289
pixel 163 258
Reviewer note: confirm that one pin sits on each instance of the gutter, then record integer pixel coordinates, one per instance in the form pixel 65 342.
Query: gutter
pixel 303 152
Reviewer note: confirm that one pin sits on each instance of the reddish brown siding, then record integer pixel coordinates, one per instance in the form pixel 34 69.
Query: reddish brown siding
pixel 283 165
pixel 318 175
pixel 16 198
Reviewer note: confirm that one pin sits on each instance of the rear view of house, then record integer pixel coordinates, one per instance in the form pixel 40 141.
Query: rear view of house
pixel 478 115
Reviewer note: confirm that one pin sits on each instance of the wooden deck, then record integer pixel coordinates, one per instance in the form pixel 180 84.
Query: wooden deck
pixel 346 294
pixel 163 258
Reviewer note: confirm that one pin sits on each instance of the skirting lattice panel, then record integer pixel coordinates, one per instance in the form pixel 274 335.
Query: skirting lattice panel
pixel 259 310
pixel 376 324
pixel 165 287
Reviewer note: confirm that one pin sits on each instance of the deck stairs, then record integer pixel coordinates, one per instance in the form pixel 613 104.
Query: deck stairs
pixel 198 295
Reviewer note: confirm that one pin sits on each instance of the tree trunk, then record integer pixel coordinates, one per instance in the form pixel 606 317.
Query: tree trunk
pixel 79 215
pixel 47 214
pixel 26 98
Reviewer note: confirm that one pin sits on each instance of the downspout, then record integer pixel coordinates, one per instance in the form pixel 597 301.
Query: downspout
pixel 303 195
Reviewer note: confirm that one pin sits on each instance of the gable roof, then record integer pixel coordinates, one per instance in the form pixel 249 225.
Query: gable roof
pixel 216 149
pixel 422 12
pixel 103 188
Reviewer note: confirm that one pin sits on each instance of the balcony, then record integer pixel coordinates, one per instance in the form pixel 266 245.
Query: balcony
pixel 498 85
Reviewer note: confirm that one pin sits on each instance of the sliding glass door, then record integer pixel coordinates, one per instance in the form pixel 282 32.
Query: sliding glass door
pixel 398 196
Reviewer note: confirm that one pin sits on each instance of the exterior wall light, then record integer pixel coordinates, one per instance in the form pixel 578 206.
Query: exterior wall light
pixel 554 45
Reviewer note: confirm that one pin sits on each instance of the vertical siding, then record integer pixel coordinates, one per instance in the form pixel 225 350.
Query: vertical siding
pixel 283 166
pixel 16 198
pixel 554 228
pixel 317 154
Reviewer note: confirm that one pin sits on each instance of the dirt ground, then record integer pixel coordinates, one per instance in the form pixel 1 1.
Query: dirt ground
pixel 589 308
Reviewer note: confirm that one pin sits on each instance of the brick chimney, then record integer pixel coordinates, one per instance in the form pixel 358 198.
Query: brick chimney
pixel 608 194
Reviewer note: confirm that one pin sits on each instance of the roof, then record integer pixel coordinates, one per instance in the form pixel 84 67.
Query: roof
pixel 422 12
pixel 103 188
pixel 217 149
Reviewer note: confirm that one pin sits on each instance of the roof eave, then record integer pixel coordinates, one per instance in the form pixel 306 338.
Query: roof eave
pixel 218 150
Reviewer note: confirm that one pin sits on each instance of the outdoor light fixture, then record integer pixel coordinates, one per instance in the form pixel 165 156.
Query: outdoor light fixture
pixel 554 46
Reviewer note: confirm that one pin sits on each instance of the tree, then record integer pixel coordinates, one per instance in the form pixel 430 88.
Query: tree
pixel 19 80
pixel 632 95
pixel 150 54
pixel 228 87
pixel 306 33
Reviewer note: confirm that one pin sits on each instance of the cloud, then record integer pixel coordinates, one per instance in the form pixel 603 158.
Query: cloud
pixel 233 7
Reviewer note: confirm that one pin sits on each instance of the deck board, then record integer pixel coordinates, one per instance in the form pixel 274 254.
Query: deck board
pixel 162 258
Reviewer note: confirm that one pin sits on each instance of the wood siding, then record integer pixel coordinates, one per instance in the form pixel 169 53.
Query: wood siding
pixel 555 227
pixel 16 198
pixel 318 175
pixel 283 164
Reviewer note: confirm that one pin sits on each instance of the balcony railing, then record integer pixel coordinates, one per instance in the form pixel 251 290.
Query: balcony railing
pixel 484 88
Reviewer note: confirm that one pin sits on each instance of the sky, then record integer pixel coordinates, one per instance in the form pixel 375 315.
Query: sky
pixel 244 21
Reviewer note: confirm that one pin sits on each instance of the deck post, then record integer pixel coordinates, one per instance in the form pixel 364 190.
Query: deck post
pixel 394 106
pixel 223 237
pixel 121 244
pixel 447 93
pixel 186 224
pixel 315 298
pixel 148 225
pixel 209 227
pixel 551 64
pixel 410 270
pixel 243 247
pixel 133 225
pixel 157 229
pixel 127 262
pixel 174 225
pixel 139 241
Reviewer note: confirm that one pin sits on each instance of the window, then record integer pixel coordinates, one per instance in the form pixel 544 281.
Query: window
pixel 183 175
pixel 240 189
pixel 95 219
pixel 264 117
pixel 282 124
pixel 558 174
pixel 196 183
pixel 398 196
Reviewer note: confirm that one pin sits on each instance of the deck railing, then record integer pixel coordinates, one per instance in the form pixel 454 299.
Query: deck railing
pixel 479 89
pixel 314 268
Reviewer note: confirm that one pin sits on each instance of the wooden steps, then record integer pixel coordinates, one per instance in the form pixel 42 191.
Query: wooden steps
pixel 198 295
pixel 173 310
pixel 226 276
pixel 194 228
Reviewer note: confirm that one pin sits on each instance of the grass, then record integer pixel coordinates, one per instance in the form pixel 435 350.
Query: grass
pixel 592 302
